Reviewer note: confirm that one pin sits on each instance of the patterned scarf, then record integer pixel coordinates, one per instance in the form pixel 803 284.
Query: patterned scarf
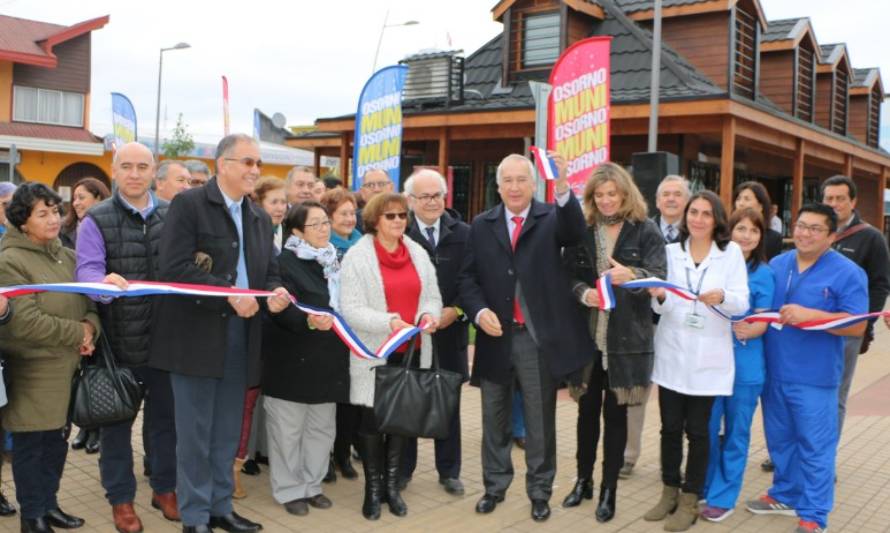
pixel 326 257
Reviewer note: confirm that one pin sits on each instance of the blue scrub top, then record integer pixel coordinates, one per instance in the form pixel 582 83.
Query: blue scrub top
pixel 750 366
pixel 833 284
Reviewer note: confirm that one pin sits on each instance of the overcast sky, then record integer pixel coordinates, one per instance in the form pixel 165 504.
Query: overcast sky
pixel 310 59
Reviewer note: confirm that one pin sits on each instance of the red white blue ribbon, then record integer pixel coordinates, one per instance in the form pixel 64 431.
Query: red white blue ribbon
pixel 604 292
pixel 154 288
pixel 545 165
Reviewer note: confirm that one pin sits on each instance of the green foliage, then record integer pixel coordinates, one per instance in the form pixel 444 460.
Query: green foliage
pixel 180 143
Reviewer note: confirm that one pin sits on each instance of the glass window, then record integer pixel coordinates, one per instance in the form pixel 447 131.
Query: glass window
pixel 25 107
pixel 46 106
pixel 540 39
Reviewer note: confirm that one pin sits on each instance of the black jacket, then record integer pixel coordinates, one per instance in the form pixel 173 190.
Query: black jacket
pixel 489 276
pixel 190 331
pixel 640 245
pixel 131 250
pixel 868 249
pixel 300 364
pixel 450 343
pixel 773 242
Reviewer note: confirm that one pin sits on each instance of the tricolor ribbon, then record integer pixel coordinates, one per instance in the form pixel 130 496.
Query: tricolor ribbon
pixel 154 288
pixel 605 293
pixel 546 166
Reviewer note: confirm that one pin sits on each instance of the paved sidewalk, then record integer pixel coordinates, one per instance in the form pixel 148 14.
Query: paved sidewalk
pixel 862 497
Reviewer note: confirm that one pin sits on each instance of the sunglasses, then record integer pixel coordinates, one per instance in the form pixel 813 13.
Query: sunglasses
pixel 248 162
pixel 392 216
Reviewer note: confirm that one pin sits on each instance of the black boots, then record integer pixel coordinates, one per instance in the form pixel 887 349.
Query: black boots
pixel 372 461
pixel 36 525
pixel 583 489
pixel 606 508
pixel 394 445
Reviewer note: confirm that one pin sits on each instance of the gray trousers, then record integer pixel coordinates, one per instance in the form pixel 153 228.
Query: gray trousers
pixel 636 418
pixel 538 391
pixel 300 439
pixel 851 356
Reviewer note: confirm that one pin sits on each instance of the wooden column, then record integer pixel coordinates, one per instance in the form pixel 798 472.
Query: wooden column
pixel 848 166
pixel 344 158
pixel 727 162
pixel 882 185
pixel 316 161
pixel 797 179
pixel 444 152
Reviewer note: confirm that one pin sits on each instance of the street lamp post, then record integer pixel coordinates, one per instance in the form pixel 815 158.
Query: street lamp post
pixel 179 46
pixel 383 29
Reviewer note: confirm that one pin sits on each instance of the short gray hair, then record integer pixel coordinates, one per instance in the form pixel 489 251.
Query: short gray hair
pixel 164 168
pixel 511 158
pixel 298 168
pixel 195 166
pixel 427 172
pixel 674 178
pixel 229 141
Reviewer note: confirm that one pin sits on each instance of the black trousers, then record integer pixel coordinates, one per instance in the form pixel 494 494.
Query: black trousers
pixel 690 414
pixel 447 450
pixel 348 418
pixel 600 399
pixel 38 460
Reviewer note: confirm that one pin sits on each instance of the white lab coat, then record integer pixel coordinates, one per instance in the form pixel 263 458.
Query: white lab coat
pixel 688 360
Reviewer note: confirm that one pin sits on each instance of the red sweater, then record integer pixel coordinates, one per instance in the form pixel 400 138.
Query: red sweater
pixel 401 284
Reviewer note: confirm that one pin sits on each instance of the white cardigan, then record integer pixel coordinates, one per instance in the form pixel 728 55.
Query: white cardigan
pixel 699 362
pixel 363 305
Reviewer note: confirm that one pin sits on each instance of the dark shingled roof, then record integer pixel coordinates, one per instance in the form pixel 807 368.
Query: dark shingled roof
pixel 632 6
pixel 779 30
pixel 862 76
pixel 827 50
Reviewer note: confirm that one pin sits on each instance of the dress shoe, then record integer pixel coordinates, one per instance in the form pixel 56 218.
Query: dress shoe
pixel 346 468
pixel 92 446
pixel 540 510
pixel 487 503
pixel 125 518
pixel 6 508
pixel 80 440
pixel 331 476
pixel 582 490
pixel 203 528
pixel 233 522
pixel 62 520
pixel 320 501
pixel 36 525
pixel 452 486
pixel 606 508
pixel 250 468
pixel 166 503
pixel 519 442
pixel 297 507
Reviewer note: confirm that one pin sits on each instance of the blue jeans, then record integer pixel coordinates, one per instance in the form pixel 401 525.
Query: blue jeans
pixel 37 465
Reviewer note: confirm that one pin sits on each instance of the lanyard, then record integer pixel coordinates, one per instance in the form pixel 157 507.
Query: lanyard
pixel 791 285
pixel 697 291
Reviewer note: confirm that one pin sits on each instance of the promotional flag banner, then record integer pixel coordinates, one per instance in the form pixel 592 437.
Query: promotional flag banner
pixel 225 88
pixel 123 119
pixel 378 125
pixel 579 108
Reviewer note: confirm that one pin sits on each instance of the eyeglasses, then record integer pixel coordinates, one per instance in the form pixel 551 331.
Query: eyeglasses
pixel 375 184
pixel 813 230
pixel 197 182
pixel 319 225
pixel 403 215
pixel 427 198
pixel 248 161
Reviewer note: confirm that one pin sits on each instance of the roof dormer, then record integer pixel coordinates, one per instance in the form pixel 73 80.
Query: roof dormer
pixel 789 54
pixel 866 96
pixel 833 75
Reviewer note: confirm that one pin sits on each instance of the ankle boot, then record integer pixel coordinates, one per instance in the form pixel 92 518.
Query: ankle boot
pixel 239 491
pixel 582 490
pixel 394 445
pixel 372 451
pixel 36 525
pixel 665 506
pixel 685 515
pixel 80 440
pixel 606 508
pixel 92 445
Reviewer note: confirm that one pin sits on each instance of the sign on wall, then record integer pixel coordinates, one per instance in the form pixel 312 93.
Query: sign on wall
pixel 378 125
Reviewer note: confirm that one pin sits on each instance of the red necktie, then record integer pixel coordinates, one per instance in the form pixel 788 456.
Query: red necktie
pixel 517 229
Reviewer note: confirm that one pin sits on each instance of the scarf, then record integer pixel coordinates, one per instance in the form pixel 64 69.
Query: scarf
pixel 326 257
pixel 342 244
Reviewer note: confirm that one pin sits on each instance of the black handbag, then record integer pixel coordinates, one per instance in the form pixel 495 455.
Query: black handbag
pixel 104 394
pixel 415 402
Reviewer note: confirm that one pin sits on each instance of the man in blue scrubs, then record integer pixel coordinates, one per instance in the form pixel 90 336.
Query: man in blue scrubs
pixel 804 369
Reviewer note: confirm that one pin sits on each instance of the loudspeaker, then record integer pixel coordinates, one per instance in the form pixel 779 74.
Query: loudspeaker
pixel 648 169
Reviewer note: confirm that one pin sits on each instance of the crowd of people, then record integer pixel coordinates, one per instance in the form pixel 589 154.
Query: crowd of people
pixel 234 382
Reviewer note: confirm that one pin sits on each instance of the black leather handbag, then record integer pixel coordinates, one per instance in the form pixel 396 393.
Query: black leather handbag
pixel 104 394
pixel 415 402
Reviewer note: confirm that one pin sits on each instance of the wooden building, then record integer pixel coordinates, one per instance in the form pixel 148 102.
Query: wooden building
pixel 741 98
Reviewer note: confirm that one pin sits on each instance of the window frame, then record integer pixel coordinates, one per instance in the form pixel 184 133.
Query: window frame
pixel 62 99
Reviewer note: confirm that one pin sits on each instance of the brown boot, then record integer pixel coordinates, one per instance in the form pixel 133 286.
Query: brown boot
pixel 685 515
pixel 166 502
pixel 239 492
pixel 125 519
pixel 665 505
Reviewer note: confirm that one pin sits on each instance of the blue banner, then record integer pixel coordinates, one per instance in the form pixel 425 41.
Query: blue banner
pixel 123 119
pixel 378 125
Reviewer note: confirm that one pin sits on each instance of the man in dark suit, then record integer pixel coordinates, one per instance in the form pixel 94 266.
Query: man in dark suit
pixel 444 237
pixel 529 329
pixel 214 235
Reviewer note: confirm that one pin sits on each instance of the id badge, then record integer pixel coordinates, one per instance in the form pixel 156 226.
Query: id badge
pixel 695 321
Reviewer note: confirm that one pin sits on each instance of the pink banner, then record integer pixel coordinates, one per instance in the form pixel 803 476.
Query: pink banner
pixel 225 87
pixel 579 108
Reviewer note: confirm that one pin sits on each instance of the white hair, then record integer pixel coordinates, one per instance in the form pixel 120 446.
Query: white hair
pixel 425 172
pixel 515 157
pixel 675 178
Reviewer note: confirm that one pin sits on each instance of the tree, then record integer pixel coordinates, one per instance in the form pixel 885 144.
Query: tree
pixel 180 143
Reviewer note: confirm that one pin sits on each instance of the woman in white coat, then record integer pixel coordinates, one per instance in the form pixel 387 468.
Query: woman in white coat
pixel 693 350
pixel 387 282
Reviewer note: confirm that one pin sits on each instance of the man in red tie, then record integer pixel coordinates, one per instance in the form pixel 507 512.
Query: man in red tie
pixel 514 288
